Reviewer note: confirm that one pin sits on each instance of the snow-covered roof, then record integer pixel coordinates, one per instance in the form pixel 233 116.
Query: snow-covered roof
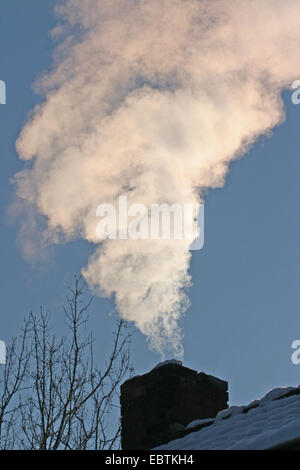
pixel 265 423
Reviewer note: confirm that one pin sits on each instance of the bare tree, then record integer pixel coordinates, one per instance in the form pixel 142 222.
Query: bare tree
pixel 59 398
pixel 12 382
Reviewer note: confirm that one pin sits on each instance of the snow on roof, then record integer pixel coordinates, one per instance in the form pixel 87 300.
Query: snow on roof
pixel 197 422
pixel 262 424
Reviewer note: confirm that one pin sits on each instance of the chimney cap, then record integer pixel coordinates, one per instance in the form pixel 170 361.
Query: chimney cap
pixel 173 367
pixel 169 361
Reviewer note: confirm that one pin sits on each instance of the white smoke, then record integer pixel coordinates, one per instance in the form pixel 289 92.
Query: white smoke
pixel 153 99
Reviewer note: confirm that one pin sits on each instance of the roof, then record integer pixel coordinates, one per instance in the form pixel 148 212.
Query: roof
pixel 263 424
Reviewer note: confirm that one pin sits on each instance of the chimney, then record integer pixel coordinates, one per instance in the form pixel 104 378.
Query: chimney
pixel 156 407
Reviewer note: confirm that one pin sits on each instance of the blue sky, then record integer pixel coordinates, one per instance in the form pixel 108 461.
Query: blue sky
pixel 244 310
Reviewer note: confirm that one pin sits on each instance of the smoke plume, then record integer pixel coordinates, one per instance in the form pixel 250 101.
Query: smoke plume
pixel 151 99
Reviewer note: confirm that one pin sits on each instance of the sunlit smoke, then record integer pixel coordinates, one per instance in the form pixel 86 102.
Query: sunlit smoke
pixel 151 99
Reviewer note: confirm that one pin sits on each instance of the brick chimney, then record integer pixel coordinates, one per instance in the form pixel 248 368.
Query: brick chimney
pixel 156 407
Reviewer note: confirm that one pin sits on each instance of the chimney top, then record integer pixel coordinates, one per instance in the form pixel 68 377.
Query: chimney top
pixel 169 361
pixel 158 405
